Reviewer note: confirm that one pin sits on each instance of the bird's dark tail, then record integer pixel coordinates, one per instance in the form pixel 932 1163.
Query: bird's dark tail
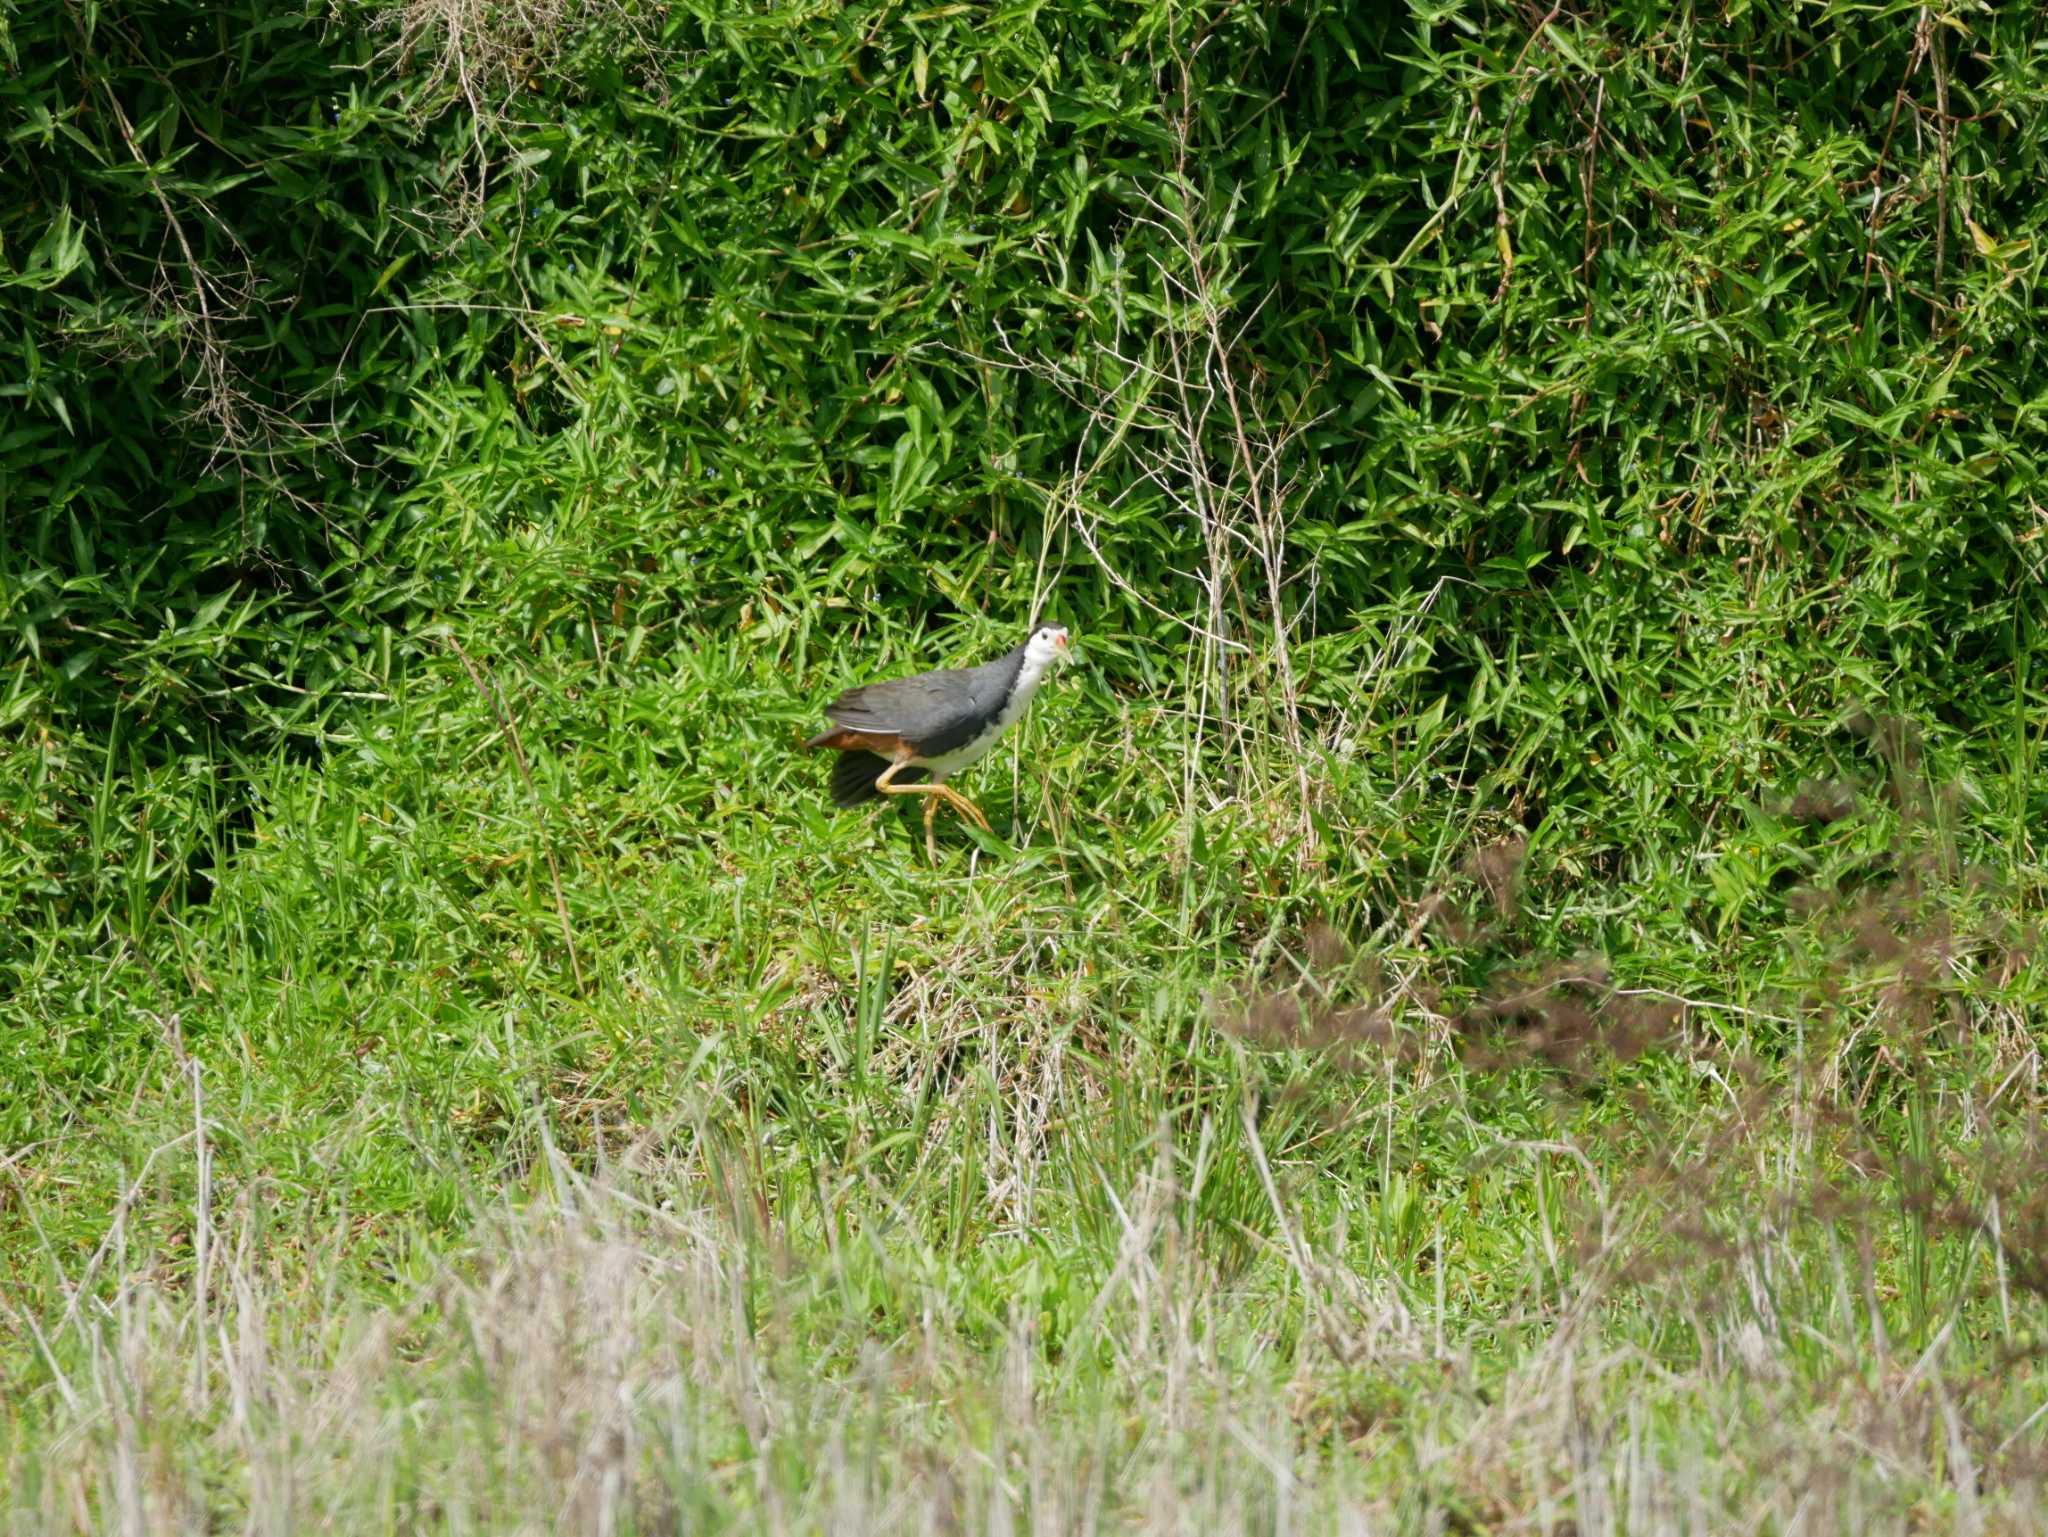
pixel 854 776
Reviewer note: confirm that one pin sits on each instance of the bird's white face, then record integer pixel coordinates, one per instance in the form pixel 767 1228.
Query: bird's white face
pixel 1048 644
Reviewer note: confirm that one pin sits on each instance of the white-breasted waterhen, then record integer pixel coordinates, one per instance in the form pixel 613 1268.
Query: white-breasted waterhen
pixel 906 736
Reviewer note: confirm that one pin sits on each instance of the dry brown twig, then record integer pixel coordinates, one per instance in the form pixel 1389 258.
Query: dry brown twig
pixel 1921 40
pixel 487 51
pixel 1169 402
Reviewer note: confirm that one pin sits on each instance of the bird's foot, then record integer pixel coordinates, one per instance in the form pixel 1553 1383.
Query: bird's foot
pixel 969 810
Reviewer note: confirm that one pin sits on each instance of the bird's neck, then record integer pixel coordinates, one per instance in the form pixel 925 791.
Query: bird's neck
pixel 1030 673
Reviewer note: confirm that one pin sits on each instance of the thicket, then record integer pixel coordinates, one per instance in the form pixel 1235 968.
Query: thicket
pixel 1661 382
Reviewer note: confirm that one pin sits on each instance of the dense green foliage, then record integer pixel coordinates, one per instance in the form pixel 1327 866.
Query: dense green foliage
pixel 1651 338
pixel 451 449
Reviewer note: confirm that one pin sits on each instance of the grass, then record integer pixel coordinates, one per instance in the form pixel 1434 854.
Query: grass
pixel 1143 1168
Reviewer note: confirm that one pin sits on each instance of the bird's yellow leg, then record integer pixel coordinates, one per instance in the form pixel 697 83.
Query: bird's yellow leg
pixel 934 793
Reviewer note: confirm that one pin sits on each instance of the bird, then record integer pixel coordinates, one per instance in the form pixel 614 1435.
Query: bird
pixel 907 736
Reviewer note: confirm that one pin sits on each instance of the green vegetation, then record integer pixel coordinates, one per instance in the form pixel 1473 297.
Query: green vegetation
pixel 1506 995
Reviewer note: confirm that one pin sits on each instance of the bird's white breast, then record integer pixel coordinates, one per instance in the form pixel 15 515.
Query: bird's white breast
pixel 960 757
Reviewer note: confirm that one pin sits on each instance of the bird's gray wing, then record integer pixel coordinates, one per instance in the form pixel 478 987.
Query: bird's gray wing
pixel 935 711
pixel 912 708
pixel 984 689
